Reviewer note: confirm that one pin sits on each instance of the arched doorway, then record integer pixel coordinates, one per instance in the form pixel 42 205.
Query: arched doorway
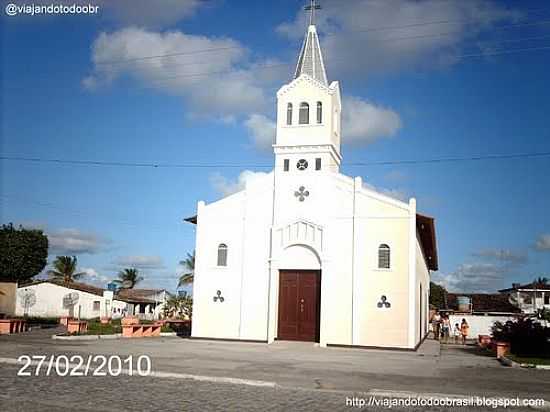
pixel 299 295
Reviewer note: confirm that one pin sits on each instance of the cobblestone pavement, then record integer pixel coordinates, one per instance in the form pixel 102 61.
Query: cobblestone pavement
pixel 132 393
pixel 303 377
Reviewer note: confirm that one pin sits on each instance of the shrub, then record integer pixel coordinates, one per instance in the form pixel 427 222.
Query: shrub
pixel 526 337
pixel 36 320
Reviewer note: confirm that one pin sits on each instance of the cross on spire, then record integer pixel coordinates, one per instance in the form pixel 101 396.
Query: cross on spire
pixel 312 7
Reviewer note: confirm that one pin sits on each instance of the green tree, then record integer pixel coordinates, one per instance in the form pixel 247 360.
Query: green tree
pixel 189 264
pixel 64 269
pixel 24 253
pixel 129 278
pixel 179 306
pixel 438 295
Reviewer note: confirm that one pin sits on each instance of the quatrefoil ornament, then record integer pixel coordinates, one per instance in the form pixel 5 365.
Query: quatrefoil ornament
pixel 383 302
pixel 219 296
pixel 301 193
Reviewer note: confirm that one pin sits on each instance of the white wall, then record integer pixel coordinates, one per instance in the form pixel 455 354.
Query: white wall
pixel 241 221
pixel 422 282
pixel 49 302
pixel 339 216
pixel 382 220
pixel 479 324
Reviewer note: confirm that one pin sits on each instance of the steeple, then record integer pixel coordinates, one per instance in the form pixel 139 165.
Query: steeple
pixel 309 114
pixel 310 61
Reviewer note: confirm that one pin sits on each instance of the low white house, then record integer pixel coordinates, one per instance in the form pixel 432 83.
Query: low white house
pixel 529 298
pixel 49 298
pixel 144 303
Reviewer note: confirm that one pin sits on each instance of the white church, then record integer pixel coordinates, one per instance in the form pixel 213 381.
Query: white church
pixel 307 253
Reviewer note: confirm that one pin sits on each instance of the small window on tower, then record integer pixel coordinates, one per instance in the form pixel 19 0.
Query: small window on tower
pixel 304 113
pixel 222 254
pixel 319 112
pixel 286 165
pixel 289 114
pixel 318 163
pixel 383 256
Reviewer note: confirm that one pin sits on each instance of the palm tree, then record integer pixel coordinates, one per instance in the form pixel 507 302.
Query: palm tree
pixel 189 264
pixel 129 278
pixel 64 268
pixel 541 282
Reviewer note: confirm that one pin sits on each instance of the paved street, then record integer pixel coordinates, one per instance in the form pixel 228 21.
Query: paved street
pixel 302 376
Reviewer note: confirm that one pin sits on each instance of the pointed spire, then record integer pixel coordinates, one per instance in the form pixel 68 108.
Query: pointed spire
pixel 310 61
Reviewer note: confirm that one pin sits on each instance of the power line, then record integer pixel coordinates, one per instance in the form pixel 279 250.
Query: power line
pixel 502 51
pixel 76 162
pixel 216 49
pixel 274 65
pixel 269 66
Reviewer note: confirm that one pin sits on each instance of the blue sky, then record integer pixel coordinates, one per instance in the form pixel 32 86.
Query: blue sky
pixel 421 80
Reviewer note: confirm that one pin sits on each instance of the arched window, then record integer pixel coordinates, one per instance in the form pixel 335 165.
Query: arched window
pixel 289 114
pixel 383 256
pixel 319 112
pixel 222 254
pixel 304 113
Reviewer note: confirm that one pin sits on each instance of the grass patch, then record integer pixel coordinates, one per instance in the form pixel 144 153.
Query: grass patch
pixel 531 360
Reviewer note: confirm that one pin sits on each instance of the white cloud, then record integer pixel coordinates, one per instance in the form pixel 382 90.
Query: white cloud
pixel 364 122
pixel 217 84
pixel 226 187
pixel 360 42
pixel 93 276
pixel 73 241
pixel 262 130
pixel 151 14
pixel 139 262
pixel 543 243
pixel 503 255
pixel 472 277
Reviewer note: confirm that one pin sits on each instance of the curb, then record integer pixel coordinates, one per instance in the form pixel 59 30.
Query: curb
pixel 87 337
pixel 97 337
pixel 509 362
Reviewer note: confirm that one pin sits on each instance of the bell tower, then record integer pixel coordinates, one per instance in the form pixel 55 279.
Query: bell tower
pixel 309 113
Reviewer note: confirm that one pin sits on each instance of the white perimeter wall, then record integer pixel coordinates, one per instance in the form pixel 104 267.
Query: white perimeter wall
pixel 479 324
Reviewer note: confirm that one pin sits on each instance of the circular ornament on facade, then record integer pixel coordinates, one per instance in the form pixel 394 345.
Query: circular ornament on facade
pixel 302 164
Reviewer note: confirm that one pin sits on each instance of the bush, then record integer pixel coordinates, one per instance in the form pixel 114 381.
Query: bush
pixel 36 320
pixel 526 337
pixel 97 328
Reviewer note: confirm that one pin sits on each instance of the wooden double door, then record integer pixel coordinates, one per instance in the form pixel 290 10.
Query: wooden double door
pixel 299 305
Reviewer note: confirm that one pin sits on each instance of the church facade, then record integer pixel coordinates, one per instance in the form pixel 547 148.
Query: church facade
pixel 305 252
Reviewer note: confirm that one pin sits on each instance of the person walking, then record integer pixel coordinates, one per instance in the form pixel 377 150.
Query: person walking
pixel 457 333
pixel 436 325
pixel 464 330
pixel 445 328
